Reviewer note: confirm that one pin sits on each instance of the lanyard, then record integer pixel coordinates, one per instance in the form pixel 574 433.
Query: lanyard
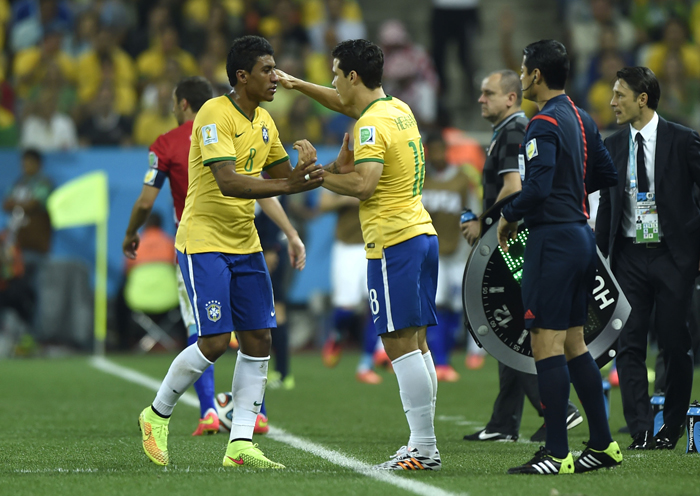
pixel 632 164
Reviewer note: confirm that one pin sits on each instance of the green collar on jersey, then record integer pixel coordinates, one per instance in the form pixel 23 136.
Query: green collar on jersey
pixel 385 99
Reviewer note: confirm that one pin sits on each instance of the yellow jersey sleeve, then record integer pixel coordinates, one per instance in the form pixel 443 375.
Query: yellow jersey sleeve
pixel 372 139
pixel 214 131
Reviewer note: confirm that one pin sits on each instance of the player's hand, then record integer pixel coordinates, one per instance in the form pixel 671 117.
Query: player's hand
pixel 130 245
pixel 506 230
pixel 346 157
pixel 471 231
pixel 285 79
pixel 307 152
pixel 297 252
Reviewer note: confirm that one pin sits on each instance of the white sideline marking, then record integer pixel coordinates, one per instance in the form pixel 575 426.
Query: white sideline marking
pixel 282 436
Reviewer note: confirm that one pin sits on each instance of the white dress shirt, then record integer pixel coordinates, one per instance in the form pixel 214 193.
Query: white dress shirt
pixel 629 217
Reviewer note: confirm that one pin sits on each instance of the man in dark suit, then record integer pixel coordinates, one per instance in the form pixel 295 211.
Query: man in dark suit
pixel 655 156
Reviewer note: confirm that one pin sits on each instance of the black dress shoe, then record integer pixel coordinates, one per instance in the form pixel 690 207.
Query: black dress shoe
pixel 666 439
pixel 643 441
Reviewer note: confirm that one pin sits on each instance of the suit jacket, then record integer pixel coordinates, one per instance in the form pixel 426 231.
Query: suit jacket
pixel 676 170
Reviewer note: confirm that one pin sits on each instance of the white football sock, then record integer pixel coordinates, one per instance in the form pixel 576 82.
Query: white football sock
pixel 430 365
pixel 248 390
pixel 187 367
pixel 415 389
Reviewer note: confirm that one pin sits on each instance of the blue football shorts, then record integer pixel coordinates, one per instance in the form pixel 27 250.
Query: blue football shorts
pixel 558 275
pixel 228 292
pixel 402 285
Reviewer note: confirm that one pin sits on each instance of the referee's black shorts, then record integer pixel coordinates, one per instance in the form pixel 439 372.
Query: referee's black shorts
pixel 558 276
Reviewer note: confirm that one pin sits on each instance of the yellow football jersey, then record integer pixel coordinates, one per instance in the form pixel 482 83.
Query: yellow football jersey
pixel 212 222
pixel 387 133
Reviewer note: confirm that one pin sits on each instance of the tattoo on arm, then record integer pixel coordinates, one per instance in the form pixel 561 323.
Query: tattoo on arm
pixel 217 166
pixel 332 168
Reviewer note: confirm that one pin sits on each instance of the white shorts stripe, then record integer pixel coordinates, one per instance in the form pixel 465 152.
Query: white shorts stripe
pixel 195 310
pixel 387 300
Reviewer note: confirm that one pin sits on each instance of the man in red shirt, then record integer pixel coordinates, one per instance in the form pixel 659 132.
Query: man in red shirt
pixel 168 157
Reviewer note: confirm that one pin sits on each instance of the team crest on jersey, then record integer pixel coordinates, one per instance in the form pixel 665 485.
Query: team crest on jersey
pixel 367 135
pixel 265 134
pixel 213 308
pixel 209 135
pixel 531 149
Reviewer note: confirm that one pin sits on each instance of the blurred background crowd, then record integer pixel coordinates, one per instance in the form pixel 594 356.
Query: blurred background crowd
pixel 80 74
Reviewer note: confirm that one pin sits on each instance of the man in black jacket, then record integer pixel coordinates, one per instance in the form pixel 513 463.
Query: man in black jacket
pixel 656 261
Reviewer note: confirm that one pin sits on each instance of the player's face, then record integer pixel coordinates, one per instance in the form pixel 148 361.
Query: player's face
pixel 526 81
pixel 262 80
pixel 341 83
pixel 624 103
pixel 494 102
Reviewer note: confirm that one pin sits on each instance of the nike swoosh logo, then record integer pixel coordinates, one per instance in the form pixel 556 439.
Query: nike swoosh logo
pixel 238 136
pixel 375 319
pixel 237 462
pixel 483 435
pixel 256 403
pixel 272 314
pixel 207 421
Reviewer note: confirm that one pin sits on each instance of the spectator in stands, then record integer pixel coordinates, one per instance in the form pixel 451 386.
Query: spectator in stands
pixel 302 122
pixel 681 93
pixel 650 17
pixel 107 61
pixel 151 123
pixel 45 128
pixel 599 93
pixel 32 18
pixel 31 63
pixel 104 126
pixel 408 72
pixel 294 37
pixel 675 40
pixel 339 20
pixel 145 35
pixel 455 20
pixel 66 96
pixel 585 31
pixel 212 63
pixel 82 38
pixel 607 44
pixel 152 63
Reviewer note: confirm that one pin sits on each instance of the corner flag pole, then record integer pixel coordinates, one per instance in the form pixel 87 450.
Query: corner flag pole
pixel 100 286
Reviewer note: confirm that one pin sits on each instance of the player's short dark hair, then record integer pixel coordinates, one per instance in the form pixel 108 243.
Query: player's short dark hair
pixel 196 90
pixel 32 153
pixel 363 57
pixel 154 220
pixel 550 57
pixel 642 80
pixel 510 82
pixel 244 53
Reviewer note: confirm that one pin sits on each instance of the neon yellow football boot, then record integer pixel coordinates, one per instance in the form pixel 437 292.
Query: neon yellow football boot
pixel 247 454
pixel 154 435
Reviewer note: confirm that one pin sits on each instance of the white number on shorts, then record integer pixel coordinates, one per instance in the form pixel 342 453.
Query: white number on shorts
pixel 373 301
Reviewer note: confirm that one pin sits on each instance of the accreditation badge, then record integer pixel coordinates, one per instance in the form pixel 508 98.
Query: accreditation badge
pixel 646 219
pixel 521 166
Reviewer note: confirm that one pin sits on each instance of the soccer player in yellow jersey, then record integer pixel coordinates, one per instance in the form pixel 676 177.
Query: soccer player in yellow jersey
pixel 386 172
pixel 218 250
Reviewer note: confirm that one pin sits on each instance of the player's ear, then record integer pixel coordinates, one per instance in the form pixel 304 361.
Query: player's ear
pixel 242 76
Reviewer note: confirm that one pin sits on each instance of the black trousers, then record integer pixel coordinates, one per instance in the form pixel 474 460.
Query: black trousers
pixel 648 277
pixel 508 408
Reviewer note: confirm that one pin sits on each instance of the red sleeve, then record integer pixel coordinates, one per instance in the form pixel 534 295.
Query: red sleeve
pixel 158 157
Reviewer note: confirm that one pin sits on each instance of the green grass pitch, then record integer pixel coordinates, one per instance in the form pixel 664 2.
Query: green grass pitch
pixel 68 428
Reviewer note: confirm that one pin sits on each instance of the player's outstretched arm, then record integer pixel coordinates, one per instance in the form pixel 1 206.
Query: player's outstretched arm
pixel 139 214
pixel 304 177
pixel 360 183
pixel 297 251
pixel 324 95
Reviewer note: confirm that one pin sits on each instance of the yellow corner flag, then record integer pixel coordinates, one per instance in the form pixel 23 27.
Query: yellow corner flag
pixel 80 202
